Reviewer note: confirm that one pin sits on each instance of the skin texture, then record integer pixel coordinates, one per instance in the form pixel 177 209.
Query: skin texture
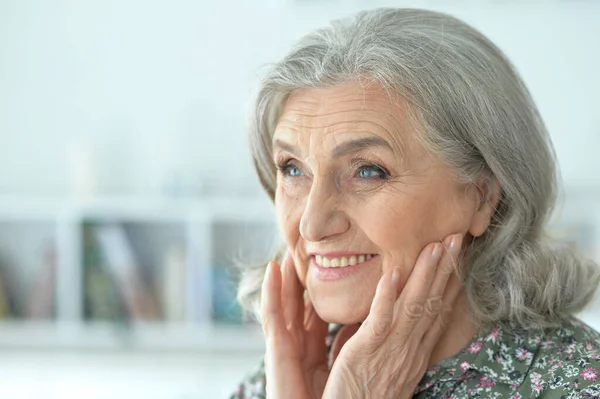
pixel 387 197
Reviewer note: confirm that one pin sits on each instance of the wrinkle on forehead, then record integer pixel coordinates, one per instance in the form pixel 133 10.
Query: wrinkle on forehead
pixel 349 108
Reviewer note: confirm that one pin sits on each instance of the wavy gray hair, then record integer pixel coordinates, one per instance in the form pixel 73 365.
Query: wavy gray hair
pixel 473 111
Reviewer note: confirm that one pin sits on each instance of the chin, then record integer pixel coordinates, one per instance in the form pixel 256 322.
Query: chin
pixel 341 310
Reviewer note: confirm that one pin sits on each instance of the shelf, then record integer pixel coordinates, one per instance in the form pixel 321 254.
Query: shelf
pixel 159 252
pixel 138 336
pixel 198 241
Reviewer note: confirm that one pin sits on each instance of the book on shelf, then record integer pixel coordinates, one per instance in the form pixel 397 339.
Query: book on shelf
pixel 126 271
pixel 10 295
pixel 34 298
pixel 116 289
pixel 42 293
pixel 102 299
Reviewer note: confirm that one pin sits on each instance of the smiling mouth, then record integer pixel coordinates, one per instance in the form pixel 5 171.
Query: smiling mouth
pixel 342 261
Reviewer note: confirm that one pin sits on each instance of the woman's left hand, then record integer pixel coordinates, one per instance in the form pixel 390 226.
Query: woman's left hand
pixel 389 353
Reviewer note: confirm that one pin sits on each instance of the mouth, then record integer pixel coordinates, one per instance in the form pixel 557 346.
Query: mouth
pixel 330 268
pixel 341 261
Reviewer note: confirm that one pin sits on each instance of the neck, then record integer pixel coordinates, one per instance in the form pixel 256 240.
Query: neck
pixel 459 332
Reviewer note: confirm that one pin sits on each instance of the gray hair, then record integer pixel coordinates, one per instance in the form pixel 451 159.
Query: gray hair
pixel 474 112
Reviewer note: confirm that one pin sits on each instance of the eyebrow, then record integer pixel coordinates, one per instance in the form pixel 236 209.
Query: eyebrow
pixel 342 149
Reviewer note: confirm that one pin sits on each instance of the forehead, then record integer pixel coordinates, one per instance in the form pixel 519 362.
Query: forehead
pixel 329 115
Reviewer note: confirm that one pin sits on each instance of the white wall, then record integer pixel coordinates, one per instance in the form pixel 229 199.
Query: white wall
pixel 166 85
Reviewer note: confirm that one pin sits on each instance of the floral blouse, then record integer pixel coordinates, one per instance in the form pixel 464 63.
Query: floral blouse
pixel 558 363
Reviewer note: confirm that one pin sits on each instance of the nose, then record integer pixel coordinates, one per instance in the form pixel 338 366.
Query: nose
pixel 323 217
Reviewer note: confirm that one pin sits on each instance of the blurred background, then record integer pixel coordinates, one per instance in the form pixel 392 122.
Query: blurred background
pixel 127 195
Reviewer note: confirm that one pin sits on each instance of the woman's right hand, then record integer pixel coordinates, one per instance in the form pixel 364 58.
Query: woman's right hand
pixel 296 354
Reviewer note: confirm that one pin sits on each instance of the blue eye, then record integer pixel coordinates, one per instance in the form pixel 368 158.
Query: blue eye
pixel 371 172
pixel 289 169
pixel 293 171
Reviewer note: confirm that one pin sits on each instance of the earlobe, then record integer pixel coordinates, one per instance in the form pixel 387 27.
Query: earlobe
pixel 490 192
pixel 480 221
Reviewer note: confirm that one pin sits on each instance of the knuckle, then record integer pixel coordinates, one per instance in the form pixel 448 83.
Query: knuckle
pixel 380 327
pixel 414 310
pixel 433 306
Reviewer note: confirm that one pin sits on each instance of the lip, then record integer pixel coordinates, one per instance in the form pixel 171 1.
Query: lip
pixel 337 273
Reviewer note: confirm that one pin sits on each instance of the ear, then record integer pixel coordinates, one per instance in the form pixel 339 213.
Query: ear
pixel 489 191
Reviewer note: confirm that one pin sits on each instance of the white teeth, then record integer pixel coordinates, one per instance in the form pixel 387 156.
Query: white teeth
pixel 341 261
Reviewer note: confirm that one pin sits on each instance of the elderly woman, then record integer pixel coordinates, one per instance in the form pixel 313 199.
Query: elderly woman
pixel 413 180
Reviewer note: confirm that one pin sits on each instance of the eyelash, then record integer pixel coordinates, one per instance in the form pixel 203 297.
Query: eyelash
pixel 286 164
pixel 360 163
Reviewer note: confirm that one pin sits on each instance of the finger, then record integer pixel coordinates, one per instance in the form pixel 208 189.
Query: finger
pixel 272 319
pixel 447 266
pixel 316 333
pixel 293 301
pixel 434 302
pixel 374 330
pixel 433 334
pixel 411 305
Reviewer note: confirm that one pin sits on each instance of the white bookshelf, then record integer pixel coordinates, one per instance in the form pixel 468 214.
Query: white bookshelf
pixel 201 226
pixel 193 222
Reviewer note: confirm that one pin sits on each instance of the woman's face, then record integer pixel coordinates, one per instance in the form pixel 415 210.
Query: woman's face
pixel 357 195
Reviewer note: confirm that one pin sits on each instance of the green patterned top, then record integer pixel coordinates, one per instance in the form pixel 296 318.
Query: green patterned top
pixel 556 363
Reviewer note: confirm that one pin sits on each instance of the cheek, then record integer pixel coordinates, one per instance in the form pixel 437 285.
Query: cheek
pixel 289 212
pixel 402 227
pixel 400 235
pixel 395 222
pixel 406 227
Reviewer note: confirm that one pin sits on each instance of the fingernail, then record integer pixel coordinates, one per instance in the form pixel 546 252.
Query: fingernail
pixel 436 252
pixel 455 242
pixel 396 277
